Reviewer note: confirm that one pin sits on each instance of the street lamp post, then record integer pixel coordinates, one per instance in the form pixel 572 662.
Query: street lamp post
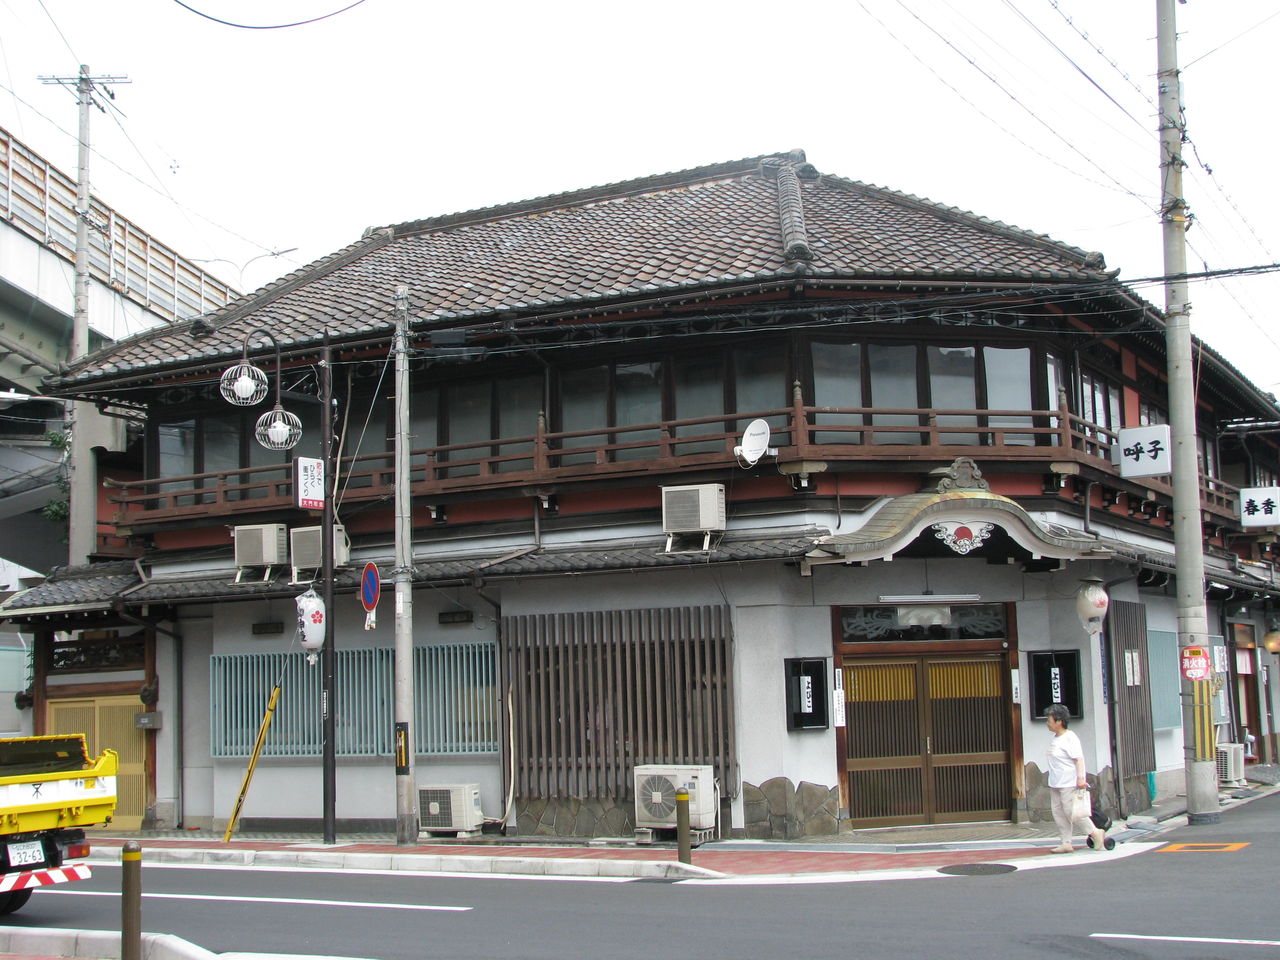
pixel 246 385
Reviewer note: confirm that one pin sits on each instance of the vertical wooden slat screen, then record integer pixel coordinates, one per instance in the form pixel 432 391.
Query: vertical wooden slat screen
pixel 1130 684
pixel 595 694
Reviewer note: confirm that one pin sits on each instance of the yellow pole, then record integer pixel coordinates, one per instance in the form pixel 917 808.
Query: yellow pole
pixel 253 761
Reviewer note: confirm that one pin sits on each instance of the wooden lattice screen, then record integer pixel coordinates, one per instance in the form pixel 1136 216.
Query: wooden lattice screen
pixel 1130 683
pixel 595 694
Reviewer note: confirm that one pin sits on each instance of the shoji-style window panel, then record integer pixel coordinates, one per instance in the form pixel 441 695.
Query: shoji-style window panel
pixel 456 709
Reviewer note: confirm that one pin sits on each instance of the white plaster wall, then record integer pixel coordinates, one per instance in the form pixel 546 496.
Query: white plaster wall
pixel 197 780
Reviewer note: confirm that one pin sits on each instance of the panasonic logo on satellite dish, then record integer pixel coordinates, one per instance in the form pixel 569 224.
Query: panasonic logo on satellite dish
pixel 755 444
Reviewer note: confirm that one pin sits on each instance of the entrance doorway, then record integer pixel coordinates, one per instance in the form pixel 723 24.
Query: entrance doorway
pixel 926 739
pixel 107 723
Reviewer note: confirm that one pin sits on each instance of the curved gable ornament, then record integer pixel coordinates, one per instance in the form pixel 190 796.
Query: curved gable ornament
pixel 963 514
pixel 963 536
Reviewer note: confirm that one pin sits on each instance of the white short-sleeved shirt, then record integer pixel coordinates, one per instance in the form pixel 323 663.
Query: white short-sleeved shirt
pixel 1064 750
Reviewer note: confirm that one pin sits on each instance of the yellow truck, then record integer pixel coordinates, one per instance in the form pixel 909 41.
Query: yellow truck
pixel 50 790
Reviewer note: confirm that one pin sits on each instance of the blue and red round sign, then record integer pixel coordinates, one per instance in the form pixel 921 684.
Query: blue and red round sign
pixel 370 586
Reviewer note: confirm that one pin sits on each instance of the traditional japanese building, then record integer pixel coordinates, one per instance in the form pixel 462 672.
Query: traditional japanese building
pixel 857 618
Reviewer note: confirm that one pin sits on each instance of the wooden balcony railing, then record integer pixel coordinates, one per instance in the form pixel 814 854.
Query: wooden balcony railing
pixel 800 432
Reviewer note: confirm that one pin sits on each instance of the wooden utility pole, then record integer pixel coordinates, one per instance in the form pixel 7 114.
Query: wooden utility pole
pixel 1188 534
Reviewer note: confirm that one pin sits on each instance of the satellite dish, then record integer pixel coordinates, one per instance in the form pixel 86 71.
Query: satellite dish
pixel 755 443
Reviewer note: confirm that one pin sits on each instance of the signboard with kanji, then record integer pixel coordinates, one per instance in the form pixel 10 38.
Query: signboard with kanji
pixel 308 483
pixel 1260 506
pixel 1194 663
pixel 1143 451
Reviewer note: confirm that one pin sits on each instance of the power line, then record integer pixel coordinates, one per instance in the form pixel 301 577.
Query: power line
pixel 142 183
pixel 1232 40
pixel 1079 69
pixel 274 26
pixel 1038 119
pixel 977 109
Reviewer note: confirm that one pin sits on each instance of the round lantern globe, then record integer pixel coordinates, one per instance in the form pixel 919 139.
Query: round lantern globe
pixel 244 385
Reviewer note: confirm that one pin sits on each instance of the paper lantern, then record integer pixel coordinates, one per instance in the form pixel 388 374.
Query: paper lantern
pixel 311 622
pixel 1091 604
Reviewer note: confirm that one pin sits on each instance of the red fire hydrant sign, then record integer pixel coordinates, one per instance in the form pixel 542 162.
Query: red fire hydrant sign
pixel 1195 663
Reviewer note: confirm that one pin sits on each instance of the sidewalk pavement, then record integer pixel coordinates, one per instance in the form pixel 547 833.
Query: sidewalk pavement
pixel 857 854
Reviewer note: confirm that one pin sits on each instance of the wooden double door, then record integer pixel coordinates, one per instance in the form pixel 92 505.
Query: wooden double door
pixel 927 739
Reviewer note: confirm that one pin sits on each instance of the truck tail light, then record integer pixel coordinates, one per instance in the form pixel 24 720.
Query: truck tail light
pixel 77 850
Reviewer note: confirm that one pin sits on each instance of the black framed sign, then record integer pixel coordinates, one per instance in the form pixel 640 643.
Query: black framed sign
pixel 806 693
pixel 1055 678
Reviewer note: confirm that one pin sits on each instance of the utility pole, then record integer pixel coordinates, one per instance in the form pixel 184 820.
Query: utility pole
pixel 406 793
pixel 1188 533
pixel 86 423
pixel 329 654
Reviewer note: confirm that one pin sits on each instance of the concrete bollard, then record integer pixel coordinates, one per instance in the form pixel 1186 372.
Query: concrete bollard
pixel 682 825
pixel 131 901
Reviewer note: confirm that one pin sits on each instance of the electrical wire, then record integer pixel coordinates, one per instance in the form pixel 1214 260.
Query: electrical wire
pixel 977 109
pixel 142 183
pixel 57 28
pixel 1022 106
pixel 1079 69
pixel 1232 40
pixel 274 26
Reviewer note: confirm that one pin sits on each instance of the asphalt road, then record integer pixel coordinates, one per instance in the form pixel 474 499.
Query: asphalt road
pixel 1194 902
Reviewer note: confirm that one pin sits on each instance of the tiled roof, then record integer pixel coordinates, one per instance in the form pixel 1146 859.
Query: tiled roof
pixel 103 583
pixel 758 221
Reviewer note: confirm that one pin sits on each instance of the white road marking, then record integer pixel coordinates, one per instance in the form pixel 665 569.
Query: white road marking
pixel 1137 936
pixel 274 900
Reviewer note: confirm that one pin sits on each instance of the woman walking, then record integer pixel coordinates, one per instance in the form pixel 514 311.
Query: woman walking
pixel 1066 776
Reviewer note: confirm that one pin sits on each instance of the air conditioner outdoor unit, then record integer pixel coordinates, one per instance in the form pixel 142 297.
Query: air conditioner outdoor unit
pixel 1230 762
pixel 656 795
pixel 696 508
pixel 450 806
pixel 260 544
pixel 306 545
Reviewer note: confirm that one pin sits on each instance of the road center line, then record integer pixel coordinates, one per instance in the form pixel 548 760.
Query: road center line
pixel 293 900
pixel 1136 936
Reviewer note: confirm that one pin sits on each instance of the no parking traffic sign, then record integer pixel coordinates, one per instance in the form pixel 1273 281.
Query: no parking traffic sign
pixel 370 591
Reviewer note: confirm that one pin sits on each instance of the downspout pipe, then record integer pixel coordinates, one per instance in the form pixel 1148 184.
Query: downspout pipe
pixel 508 769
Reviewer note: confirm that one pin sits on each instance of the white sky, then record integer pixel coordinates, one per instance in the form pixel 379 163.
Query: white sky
pixel 238 142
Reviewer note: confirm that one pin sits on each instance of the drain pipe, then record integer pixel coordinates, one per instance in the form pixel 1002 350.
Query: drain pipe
pixel 1088 507
pixel 509 768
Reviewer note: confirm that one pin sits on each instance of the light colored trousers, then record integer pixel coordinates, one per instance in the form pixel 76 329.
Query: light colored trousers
pixel 1060 804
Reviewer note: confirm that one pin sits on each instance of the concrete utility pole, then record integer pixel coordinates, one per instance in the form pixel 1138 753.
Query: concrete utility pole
pixel 1188 534
pixel 406 792
pixel 329 653
pixel 86 423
